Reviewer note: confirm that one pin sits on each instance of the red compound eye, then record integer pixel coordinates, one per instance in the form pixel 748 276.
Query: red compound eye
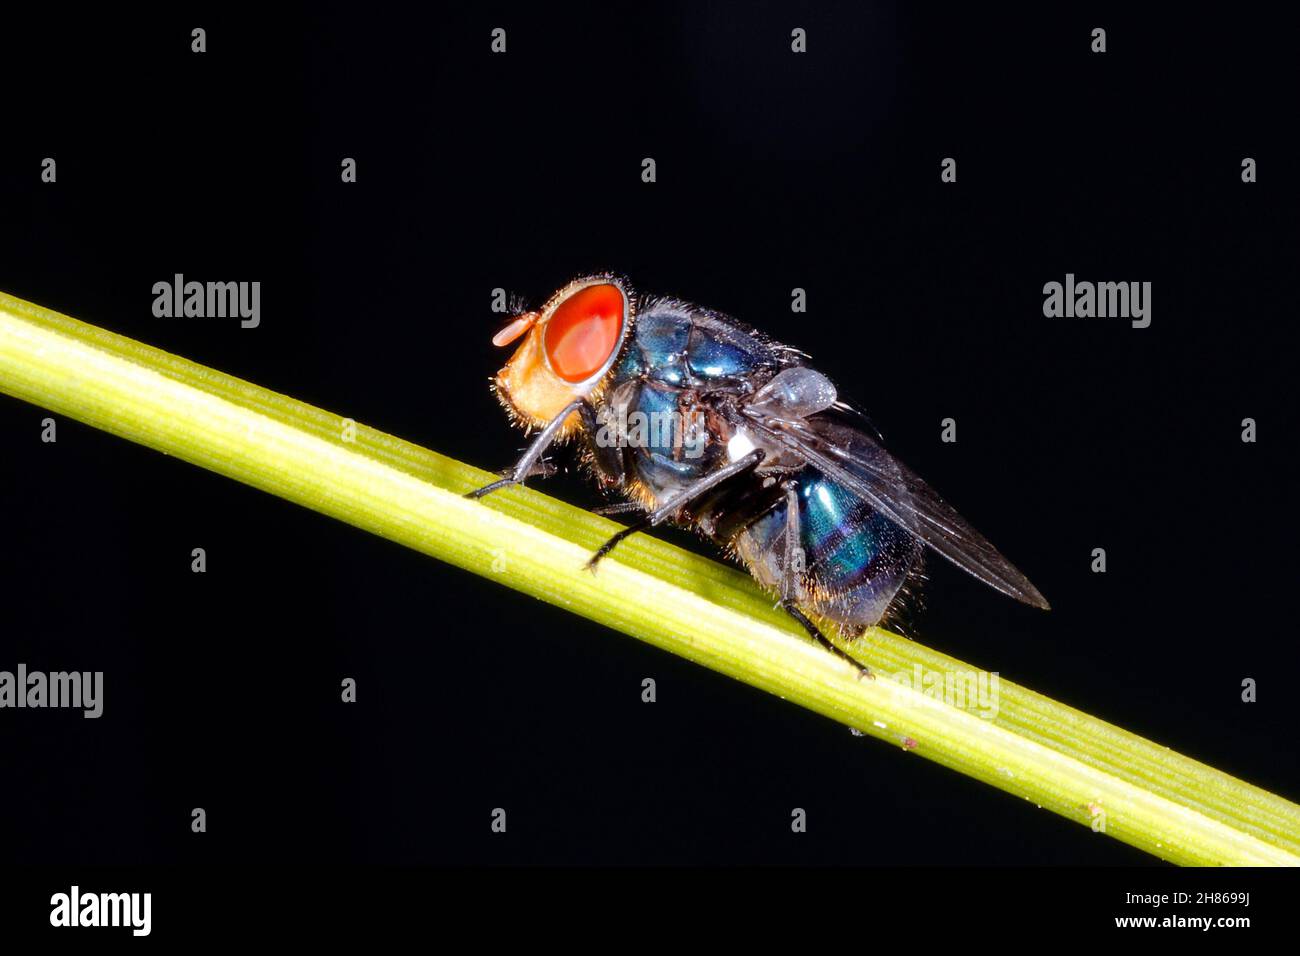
pixel 584 331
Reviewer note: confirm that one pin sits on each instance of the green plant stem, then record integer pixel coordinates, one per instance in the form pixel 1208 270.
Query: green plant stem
pixel 1051 755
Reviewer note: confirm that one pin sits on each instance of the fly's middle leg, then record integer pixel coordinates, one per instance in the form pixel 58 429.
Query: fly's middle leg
pixel 679 500
pixel 617 508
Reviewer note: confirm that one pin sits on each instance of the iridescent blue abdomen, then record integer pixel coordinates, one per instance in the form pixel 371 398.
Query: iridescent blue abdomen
pixel 855 560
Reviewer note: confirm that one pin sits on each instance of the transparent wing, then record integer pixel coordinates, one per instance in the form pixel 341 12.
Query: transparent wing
pixel 862 465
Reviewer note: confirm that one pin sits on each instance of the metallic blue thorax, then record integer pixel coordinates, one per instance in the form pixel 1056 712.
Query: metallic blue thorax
pixel 679 346
pixel 677 354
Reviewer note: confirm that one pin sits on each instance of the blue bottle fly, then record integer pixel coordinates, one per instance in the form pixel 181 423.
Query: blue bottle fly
pixel 696 419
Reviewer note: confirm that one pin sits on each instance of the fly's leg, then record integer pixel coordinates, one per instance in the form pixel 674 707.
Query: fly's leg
pixel 815 633
pixel 641 524
pixel 617 508
pixel 527 465
pixel 792 572
pixel 682 498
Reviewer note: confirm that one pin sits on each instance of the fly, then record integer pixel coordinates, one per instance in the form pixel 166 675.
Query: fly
pixel 699 420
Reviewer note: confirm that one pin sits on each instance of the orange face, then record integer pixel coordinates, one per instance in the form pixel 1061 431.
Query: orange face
pixel 570 346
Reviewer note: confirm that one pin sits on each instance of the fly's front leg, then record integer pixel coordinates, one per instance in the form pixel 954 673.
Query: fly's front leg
pixel 792 571
pixel 679 500
pixel 526 465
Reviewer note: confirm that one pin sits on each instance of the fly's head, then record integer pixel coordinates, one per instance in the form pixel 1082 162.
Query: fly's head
pixel 568 350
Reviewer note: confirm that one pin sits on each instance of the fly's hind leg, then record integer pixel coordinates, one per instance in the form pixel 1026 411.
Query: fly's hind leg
pixel 792 570
pixel 815 633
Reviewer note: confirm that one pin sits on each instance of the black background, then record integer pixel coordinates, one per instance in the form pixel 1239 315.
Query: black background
pixel 522 171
